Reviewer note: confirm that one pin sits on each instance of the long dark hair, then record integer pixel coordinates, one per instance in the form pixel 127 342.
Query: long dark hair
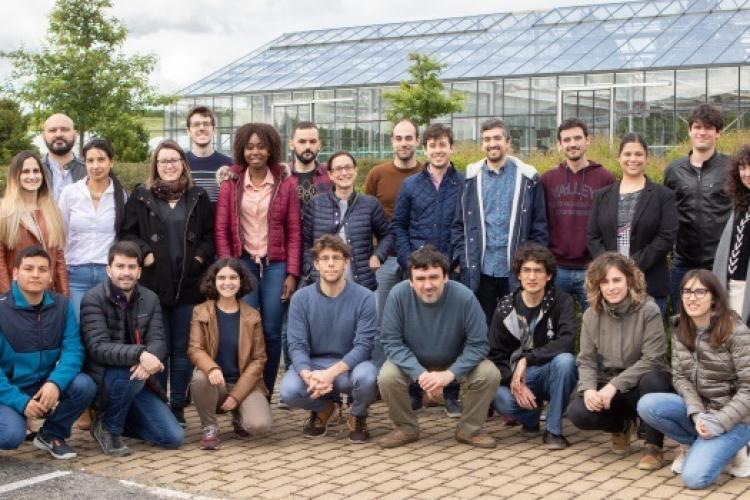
pixel 736 190
pixel 723 318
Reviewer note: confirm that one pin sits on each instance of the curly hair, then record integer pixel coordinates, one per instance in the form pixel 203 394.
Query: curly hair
pixel 735 188
pixel 597 272
pixel 208 283
pixel 536 253
pixel 268 136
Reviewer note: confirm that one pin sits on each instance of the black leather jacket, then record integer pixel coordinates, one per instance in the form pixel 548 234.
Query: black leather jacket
pixel 702 206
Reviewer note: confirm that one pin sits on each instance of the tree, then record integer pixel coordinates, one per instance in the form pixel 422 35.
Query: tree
pixel 81 71
pixel 422 99
pixel 14 130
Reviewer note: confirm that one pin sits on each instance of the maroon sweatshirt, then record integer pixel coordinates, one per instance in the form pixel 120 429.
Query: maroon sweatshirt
pixel 569 198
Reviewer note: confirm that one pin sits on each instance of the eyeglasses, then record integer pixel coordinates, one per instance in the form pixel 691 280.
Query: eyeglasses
pixel 699 293
pixel 344 168
pixel 205 124
pixel 329 258
pixel 526 271
pixel 169 161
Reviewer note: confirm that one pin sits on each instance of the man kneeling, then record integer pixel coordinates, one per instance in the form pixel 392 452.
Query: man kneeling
pixel 532 337
pixel 434 332
pixel 125 343
pixel 331 330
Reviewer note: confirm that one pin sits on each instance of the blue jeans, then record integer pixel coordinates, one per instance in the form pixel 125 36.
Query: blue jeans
pixel 73 402
pixel 266 298
pixel 360 383
pixel 388 275
pixel 570 280
pixel 133 410
pixel 554 382
pixel 178 367
pixel 707 457
pixel 83 278
pixel 662 303
pixel 675 279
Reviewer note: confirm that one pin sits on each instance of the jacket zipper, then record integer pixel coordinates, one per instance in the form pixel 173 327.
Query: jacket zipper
pixel 695 363
pixel 184 246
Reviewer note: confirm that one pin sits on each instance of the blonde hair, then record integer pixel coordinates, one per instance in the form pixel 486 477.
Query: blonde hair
pixel 13 209
pixel 154 172
pixel 597 272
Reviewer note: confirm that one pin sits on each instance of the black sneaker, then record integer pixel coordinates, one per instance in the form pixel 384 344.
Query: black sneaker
pixel 416 402
pixel 111 444
pixel 530 431
pixel 56 447
pixel 453 408
pixel 179 414
pixel 554 441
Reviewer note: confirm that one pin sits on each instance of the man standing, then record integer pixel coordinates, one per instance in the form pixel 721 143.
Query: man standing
pixel 501 208
pixel 532 338
pixel 309 176
pixel 332 327
pixel 423 215
pixel 125 345
pixel 702 205
pixel 569 195
pixel 433 333
pixel 204 160
pixel 40 359
pixel 384 183
pixel 60 164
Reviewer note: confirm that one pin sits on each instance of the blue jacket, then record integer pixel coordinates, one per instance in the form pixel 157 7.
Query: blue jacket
pixel 36 346
pixel 423 214
pixel 528 221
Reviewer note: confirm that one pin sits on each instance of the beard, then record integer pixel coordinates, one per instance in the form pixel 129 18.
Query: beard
pixel 406 156
pixel 60 149
pixel 306 156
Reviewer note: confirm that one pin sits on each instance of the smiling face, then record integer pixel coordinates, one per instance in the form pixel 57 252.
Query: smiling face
pixel 633 159
pixel 227 282
pixel 428 283
pixel 573 143
pixel 744 171
pixel 439 151
pixel 343 172
pixel 703 137
pixel 169 164
pixel 98 164
pixel 495 144
pixel 256 153
pixel 404 140
pixel 30 177
pixel 696 299
pixel 124 272
pixel 201 129
pixel 59 134
pixel 614 286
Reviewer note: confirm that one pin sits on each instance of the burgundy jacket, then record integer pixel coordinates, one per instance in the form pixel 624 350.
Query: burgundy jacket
pixel 284 220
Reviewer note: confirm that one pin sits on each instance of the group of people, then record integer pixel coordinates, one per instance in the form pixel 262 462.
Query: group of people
pixel 432 284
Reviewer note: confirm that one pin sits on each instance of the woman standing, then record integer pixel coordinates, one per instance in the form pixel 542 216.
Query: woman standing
pixel 622 356
pixel 92 210
pixel 227 349
pixel 171 220
pixel 636 218
pixel 733 252
pixel 357 218
pixel 710 414
pixel 258 220
pixel 28 216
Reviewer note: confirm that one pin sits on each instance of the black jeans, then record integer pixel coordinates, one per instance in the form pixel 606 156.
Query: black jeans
pixel 622 409
pixel 489 293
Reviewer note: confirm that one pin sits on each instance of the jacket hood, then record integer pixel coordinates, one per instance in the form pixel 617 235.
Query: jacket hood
pixel 523 168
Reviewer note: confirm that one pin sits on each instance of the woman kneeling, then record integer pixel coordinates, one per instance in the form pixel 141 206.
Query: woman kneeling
pixel 228 351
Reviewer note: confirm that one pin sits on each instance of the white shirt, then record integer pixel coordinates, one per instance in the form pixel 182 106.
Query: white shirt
pixel 90 231
pixel 61 178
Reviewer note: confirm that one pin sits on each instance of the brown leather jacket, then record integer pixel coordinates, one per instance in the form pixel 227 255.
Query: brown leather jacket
pixel 27 239
pixel 204 346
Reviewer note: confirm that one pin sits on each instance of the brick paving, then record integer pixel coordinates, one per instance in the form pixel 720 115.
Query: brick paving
pixel 285 465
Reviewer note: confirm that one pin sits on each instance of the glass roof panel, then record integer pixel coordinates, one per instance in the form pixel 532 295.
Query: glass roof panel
pixel 737 52
pixel 721 39
pixel 557 48
pixel 694 41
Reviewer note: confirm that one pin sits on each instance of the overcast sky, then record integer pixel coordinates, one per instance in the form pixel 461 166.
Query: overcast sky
pixel 194 38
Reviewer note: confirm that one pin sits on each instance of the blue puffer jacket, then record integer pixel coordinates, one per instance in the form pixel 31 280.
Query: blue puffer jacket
pixel 528 221
pixel 364 219
pixel 36 346
pixel 423 214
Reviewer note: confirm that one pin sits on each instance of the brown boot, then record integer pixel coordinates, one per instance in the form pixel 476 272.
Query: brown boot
pixel 317 424
pixel 84 421
pixel 621 440
pixel 357 429
pixel 481 439
pixel 652 459
pixel 398 437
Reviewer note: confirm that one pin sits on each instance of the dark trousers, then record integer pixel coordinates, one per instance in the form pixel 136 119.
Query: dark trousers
pixel 489 293
pixel 622 409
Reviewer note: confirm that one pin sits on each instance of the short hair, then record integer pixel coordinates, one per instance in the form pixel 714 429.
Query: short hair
pixel 330 242
pixel 336 155
pixel 208 282
pixel 426 257
pixel 494 123
pixel 268 136
pixel 409 121
pixel 436 131
pixel 572 123
pixel 735 188
pixel 633 137
pixel 536 253
pixel 100 144
pixel 125 249
pixel 597 271
pixel 32 251
pixel 200 110
pixel 304 125
pixel 708 115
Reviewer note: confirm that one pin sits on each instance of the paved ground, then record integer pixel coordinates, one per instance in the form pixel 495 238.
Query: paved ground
pixel 285 465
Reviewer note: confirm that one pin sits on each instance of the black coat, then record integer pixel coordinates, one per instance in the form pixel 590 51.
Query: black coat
pixel 364 219
pixel 108 340
pixel 652 233
pixel 143 226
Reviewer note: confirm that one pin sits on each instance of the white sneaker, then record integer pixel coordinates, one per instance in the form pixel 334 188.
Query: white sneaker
pixel 679 459
pixel 740 466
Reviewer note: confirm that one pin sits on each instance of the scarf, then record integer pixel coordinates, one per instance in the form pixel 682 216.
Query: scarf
pixel 169 190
